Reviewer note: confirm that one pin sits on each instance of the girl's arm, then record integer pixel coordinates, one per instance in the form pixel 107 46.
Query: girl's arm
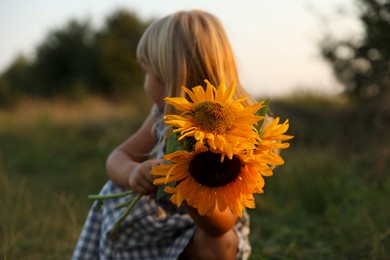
pixel 217 224
pixel 128 164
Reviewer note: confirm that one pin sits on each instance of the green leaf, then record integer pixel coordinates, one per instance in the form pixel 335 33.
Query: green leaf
pixel 262 112
pixel 160 190
pixel 173 143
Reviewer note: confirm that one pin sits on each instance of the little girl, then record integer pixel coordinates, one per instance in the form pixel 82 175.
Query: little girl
pixel 182 49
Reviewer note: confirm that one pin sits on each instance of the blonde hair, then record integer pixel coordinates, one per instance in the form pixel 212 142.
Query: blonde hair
pixel 187 47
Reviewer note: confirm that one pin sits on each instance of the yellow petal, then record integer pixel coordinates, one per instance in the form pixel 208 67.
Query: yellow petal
pixel 179 103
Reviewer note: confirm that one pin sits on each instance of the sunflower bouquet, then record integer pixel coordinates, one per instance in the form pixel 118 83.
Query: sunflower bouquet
pixel 217 152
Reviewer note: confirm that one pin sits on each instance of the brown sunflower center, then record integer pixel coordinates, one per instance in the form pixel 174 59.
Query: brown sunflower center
pixel 213 116
pixel 207 169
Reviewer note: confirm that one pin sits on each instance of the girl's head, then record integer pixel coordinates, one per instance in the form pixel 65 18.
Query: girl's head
pixel 185 48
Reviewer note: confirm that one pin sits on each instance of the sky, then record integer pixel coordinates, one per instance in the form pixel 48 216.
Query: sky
pixel 276 43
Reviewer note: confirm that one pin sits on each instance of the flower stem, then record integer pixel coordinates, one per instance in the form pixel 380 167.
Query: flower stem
pixel 110 196
pixel 122 205
pixel 131 205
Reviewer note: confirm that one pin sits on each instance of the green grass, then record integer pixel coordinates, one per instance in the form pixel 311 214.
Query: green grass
pixel 48 166
pixel 322 206
pixel 37 224
pixel 329 201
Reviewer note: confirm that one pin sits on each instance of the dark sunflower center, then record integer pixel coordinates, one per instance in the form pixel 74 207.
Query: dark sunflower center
pixel 213 116
pixel 207 169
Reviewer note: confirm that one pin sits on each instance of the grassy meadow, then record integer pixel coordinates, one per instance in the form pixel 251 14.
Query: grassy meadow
pixel 329 201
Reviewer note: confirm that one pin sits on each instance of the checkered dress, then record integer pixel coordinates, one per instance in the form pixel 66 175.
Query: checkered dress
pixel 155 229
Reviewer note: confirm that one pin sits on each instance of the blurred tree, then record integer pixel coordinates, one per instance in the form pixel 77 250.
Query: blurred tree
pixel 15 81
pixel 65 61
pixel 76 60
pixel 117 43
pixel 363 65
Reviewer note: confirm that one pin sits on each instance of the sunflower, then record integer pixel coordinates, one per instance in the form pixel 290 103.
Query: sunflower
pixel 213 117
pixel 266 154
pixel 205 181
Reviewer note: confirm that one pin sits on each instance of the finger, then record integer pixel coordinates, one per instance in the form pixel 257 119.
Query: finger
pixel 147 186
pixel 158 162
pixel 149 177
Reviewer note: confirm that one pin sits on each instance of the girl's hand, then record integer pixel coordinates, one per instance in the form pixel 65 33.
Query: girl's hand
pixel 141 180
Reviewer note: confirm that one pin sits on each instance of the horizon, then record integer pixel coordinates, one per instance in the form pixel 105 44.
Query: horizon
pixel 276 43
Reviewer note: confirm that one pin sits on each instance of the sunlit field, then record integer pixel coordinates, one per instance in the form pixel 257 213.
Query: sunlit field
pixel 329 201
